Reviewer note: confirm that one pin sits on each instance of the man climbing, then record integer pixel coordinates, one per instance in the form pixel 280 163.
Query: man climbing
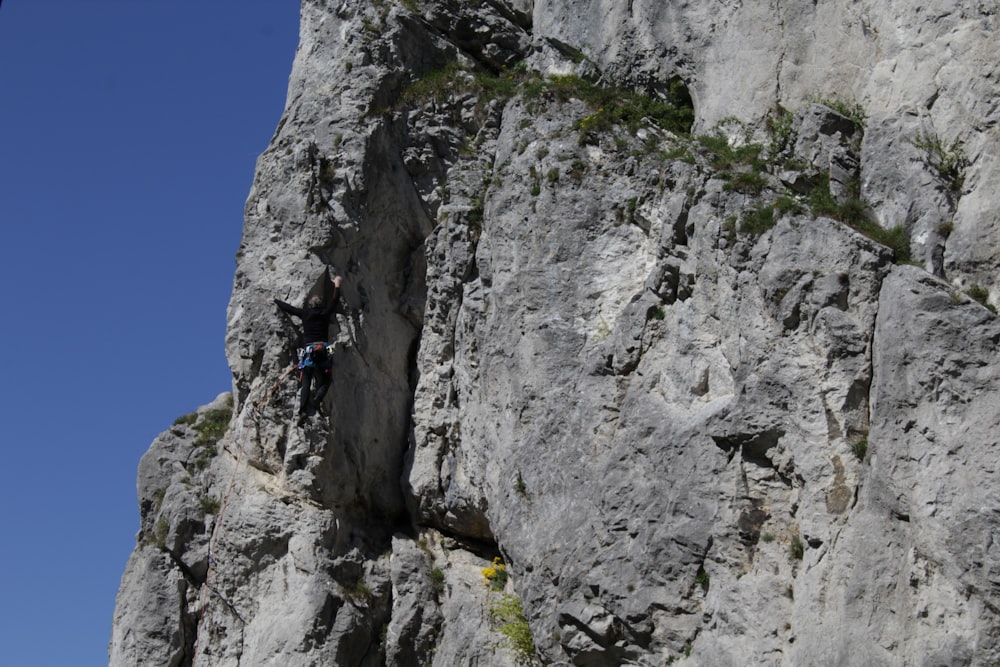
pixel 315 357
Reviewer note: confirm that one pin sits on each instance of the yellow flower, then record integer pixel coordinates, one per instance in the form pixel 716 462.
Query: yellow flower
pixel 495 575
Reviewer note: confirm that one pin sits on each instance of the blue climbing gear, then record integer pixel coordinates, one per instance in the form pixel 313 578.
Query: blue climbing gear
pixel 318 355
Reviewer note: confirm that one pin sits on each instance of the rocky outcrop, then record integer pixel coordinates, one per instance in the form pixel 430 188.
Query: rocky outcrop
pixel 655 345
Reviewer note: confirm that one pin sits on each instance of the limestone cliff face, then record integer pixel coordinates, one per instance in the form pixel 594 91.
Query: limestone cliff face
pixel 716 380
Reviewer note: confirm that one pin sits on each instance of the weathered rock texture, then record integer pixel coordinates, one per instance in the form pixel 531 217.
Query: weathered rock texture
pixel 701 418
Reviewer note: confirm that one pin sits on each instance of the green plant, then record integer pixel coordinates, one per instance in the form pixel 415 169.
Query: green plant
pixel 577 169
pixel 437 580
pixel 758 220
pixel 160 532
pixel 158 498
pixel 369 27
pixel 437 84
pixel 949 160
pixel 767 537
pixel 359 591
pixel 507 615
pixel 209 505
pixel 213 424
pixel 454 78
pixel 495 575
pixel 860 448
pixel 475 214
pixel 654 313
pixel 186 420
pixel 552 175
pixel 729 227
pixel 787 205
pixel 849 109
pixel 821 201
pixel 982 295
pixel 747 182
pixel 672 111
pixel 854 213
pixel 701 578
pixel 536 185
pixel 630 208
pixel 724 156
pixel 519 484
pixel 896 238
pixel 205 457
pixel 796 549
pixel 778 126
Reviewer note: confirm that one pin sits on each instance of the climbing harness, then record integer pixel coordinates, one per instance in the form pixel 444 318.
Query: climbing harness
pixel 316 354
pixel 254 412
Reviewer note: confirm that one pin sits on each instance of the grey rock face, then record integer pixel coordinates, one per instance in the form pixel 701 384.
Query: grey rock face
pixel 699 415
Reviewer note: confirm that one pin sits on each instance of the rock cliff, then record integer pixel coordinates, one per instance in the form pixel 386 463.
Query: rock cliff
pixel 667 336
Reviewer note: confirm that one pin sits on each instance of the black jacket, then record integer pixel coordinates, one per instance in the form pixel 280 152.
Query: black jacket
pixel 315 321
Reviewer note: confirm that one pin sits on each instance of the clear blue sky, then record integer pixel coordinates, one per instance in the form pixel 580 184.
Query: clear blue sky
pixel 129 130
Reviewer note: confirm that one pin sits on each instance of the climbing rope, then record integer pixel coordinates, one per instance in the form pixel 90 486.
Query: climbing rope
pixel 253 413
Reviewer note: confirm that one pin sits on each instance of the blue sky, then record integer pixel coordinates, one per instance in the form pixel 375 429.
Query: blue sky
pixel 129 130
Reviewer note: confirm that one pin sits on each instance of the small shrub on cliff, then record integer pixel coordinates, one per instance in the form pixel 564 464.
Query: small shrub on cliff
pixel 702 579
pixel 519 485
pixel 723 156
pixel 778 126
pixel 758 221
pixel 614 106
pixel 359 591
pixel 948 160
pixel 158 496
pixel 849 109
pixel 854 212
pixel 437 84
pixel 860 448
pixel 205 457
pixel 787 205
pixel 495 576
pixel 747 182
pixel 186 420
pixel 160 532
pixel 982 295
pixel 895 238
pixel 509 620
pixel 437 580
pixel 213 424
pixel 209 505
pixel 796 549
pixel 821 200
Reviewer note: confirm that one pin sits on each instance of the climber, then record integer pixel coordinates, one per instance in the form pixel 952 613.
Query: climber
pixel 315 357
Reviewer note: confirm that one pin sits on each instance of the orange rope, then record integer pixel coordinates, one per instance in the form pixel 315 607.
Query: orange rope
pixel 217 529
